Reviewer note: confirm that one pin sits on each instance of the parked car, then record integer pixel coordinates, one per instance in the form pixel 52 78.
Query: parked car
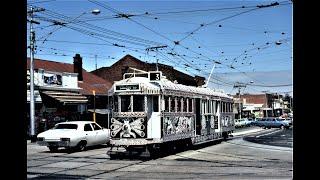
pixel 247 122
pixel 252 121
pixel 256 121
pixel 288 120
pixel 272 123
pixel 239 123
pixel 74 134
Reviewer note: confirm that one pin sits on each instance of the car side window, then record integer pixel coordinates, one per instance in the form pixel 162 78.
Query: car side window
pixel 87 127
pixel 95 126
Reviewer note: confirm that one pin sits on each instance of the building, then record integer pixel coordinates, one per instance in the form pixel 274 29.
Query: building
pixel 64 92
pixel 115 72
pixel 260 105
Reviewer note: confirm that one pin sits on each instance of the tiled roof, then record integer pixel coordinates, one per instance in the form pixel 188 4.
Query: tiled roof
pixel 90 81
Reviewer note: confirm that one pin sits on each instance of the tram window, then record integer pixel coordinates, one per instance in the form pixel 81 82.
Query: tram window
pixel 166 104
pixel 173 105
pixel 223 107
pixel 178 104
pixel 184 105
pixel 209 106
pixel 125 104
pixel 213 106
pixel 227 107
pixel 155 100
pixel 190 105
pixel 115 103
pixel 218 107
pixel 203 107
pixel 138 103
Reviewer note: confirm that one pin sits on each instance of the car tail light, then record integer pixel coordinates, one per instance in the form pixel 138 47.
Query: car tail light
pixel 65 139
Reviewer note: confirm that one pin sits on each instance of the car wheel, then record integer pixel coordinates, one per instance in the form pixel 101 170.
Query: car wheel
pixel 282 127
pixel 264 127
pixel 53 148
pixel 81 146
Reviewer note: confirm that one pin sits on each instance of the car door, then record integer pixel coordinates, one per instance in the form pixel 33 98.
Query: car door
pixel 89 134
pixel 100 134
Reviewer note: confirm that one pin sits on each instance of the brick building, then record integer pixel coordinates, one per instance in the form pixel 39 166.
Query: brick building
pixel 260 105
pixel 115 72
pixel 64 92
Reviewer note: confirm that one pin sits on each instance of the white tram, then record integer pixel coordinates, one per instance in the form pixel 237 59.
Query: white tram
pixel 150 111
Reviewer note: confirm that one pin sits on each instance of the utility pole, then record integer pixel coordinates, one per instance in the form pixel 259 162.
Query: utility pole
pixel 239 86
pixel 94 105
pixel 32 48
pixel 95 57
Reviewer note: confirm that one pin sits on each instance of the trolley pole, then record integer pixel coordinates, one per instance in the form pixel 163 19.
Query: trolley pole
pixel 156 48
pixel 32 48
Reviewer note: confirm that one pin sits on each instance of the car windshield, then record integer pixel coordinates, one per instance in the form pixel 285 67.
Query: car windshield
pixel 66 126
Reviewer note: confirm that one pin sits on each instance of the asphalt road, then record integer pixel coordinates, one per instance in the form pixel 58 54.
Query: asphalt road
pixel 232 159
pixel 279 137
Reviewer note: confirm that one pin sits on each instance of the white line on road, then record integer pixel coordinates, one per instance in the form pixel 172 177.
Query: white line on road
pixel 268 133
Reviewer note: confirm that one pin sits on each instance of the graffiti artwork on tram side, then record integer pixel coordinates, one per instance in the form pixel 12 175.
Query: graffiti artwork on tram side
pixel 177 125
pixel 128 127
pixel 227 121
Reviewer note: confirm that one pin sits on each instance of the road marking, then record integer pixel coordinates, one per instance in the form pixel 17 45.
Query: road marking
pixel 247 132
pixel 268 133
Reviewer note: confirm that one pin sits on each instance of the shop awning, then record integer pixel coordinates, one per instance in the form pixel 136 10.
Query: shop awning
pixel 67 97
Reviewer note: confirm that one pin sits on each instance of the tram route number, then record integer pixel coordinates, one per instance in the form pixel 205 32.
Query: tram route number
pixel 155 76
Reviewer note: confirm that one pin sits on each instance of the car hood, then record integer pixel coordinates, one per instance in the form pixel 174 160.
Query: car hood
pixel 58 133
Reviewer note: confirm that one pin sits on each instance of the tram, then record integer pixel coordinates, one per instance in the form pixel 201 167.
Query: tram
pixel 150 112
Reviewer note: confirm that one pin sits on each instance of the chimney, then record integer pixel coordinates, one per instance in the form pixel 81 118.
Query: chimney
pixel 77 66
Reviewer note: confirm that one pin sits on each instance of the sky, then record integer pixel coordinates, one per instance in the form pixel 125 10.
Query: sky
pixel 236 40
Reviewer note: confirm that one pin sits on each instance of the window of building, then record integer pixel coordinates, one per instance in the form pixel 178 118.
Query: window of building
pixel 138 103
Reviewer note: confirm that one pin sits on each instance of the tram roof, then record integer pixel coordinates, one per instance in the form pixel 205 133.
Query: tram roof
pixel 166 85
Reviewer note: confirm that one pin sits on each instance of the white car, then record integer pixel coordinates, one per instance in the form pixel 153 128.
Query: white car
pixel 74 134
pixel 240 123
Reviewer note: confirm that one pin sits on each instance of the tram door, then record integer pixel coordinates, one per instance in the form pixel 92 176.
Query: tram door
pixel 198 117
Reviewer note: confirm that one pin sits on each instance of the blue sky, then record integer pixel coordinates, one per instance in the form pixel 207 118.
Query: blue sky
pixel 206 32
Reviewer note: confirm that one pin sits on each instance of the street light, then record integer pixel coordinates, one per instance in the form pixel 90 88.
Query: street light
pixel 95 11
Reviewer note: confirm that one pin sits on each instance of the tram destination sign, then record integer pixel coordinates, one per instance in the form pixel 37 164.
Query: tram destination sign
pixel 155 76
pixel 128 87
